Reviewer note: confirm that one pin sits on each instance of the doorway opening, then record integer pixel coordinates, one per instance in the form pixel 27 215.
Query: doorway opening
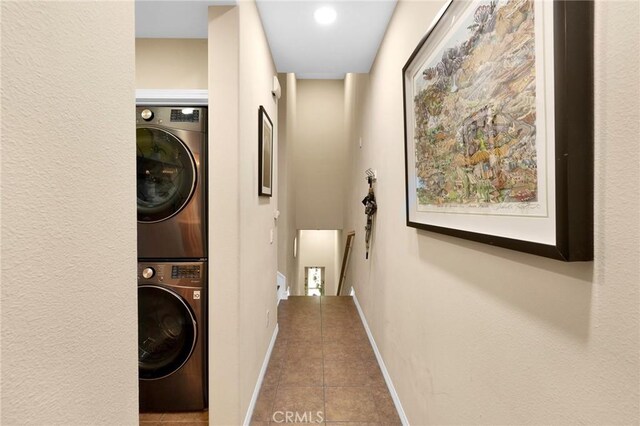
pixel 314 281
pixel 318 257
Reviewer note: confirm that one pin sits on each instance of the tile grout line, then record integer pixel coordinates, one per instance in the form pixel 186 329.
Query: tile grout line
pixel 324 387
pixel 275 395
pixel 286 349
pixel 286 343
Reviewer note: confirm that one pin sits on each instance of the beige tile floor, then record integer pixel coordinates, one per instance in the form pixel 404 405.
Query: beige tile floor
pixel 323 368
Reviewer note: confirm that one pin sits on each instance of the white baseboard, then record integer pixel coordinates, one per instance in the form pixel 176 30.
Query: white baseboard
pixel 263 370
pixel 284 295
pixel 283 289
pixel 383 367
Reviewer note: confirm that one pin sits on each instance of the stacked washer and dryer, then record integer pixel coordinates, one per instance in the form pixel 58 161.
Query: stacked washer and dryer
pixel 172 258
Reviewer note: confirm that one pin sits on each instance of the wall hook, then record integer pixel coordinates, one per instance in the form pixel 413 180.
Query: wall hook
pixel 371 176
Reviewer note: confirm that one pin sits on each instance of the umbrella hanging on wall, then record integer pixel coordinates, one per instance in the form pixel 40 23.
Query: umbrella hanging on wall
pixel 370 208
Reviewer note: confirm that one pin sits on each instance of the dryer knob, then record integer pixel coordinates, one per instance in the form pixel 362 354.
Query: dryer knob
pixel 146 114
pixel 148 273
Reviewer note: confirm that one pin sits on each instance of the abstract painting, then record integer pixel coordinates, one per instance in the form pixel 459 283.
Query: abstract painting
pixel 475 114
pixel 481 100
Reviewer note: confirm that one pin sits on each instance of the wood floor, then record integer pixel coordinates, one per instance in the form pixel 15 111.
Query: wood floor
pixel 181 419
pixel 323 369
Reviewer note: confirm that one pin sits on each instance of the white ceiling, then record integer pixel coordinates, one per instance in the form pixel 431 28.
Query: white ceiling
pixel 174 18
pixel 298 44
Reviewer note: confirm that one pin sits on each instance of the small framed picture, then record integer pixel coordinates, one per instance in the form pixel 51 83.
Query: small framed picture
pixel 265 148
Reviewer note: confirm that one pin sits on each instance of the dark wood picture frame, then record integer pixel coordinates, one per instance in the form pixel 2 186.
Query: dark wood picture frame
pixel 573 103
pixel 265 150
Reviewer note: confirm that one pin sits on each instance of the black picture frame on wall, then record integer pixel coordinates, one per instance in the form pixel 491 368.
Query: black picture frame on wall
pixel 548 209
pixel 265 149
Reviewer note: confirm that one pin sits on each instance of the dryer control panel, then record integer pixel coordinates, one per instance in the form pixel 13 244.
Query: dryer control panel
pixel 176 117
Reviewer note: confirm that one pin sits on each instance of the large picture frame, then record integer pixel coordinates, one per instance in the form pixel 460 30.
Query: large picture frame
pixel 498 107
pixel 265 149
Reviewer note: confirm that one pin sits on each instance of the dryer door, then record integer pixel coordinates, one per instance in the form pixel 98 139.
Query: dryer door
pixel 166 174
pixel 167 332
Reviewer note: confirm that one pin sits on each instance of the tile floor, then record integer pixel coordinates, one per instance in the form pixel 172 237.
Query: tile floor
pixel 323 368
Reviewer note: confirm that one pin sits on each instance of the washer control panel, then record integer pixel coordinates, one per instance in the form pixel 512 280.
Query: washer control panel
pixel 185 274
pixel 185 271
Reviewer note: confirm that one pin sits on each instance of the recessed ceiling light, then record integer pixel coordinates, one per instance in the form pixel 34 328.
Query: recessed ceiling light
pixel 325 15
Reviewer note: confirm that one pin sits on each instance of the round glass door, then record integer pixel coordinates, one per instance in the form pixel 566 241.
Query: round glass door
pixel 167 332
pixel 165 174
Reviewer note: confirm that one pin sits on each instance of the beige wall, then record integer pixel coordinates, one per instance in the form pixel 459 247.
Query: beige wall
pixel 476 334
pixel 243 261
pixel 283 195
pixel 69 334
pixel 165 63
pixel 224 217
pixel 287 264
pixel 259 268
pixel 292 231
pixel 320 154
pixel 319 248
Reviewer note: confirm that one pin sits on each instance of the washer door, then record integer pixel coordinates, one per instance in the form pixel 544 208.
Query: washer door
pixel 166 174
pixel 167 332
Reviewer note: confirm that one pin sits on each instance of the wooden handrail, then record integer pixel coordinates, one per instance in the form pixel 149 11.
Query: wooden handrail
pixel 345 260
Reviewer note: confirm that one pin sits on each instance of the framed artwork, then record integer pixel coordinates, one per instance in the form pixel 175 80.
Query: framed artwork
pixel 265 148
pixel 498 107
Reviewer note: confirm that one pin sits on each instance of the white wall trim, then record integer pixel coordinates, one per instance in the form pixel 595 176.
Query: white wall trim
pixel 383 367
pixel 263 370
pixel 191 97
pixel 283 290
